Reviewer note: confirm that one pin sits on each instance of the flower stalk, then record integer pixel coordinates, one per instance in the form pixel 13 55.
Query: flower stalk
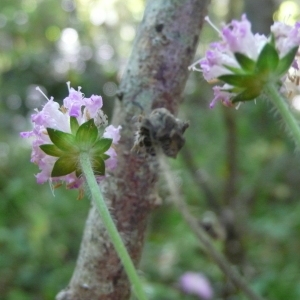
pixel 110 226
pixel 282 107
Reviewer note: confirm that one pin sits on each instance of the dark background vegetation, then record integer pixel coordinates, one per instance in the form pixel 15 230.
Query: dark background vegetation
pixel 239 171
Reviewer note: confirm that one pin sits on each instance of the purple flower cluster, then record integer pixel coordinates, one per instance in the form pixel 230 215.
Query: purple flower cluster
pixel 56 117
pixel 286 37
pixel 237 37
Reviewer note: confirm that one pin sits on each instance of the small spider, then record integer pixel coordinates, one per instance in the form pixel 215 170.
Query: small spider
pixel 160 130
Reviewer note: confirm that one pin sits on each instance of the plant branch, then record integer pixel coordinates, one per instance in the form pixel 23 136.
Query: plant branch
pixel 200 182
pixel 231 273
pixel 231 157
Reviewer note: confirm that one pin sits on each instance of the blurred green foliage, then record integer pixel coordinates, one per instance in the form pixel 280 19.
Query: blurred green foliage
pixel 47 43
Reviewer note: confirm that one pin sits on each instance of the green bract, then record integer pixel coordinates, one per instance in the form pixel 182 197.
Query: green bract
pixel 249 80
pixel 68 146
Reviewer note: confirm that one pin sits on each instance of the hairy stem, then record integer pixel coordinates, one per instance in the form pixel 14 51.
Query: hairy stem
pixel 283 109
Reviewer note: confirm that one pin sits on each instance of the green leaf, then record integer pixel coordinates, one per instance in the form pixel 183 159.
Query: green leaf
pixel 102 146
pixel 246 63
pixel 247 95
pixel 268 60
pixel 51 150
pixel 239 80
pixel 234 70
pixel 78 172
pixel 99 166
pixel 74 125
pixel 105 156
pixel 64 166
pixel 87 135
pixel 272 40
pixel 64 141
pixel 286 61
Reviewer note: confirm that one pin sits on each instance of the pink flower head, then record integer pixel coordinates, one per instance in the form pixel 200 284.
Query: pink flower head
pixel 74 101
pixel 220 94
pixel 196 284
pixel 113 133
pixel 56 117
pixel 291 83
pixel 93 104
pixel 286 36
pixel 237 38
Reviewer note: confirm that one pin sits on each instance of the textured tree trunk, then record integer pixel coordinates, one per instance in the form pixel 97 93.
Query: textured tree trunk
pixel 155 77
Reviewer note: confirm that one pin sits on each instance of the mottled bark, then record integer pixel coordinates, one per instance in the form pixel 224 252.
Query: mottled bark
pixel 155 77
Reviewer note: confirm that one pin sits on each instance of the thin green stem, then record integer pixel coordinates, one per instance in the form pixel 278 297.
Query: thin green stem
pixel 111 227
pixel 286 114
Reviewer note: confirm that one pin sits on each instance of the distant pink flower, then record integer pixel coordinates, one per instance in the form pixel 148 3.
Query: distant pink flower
pixel 56 117
pixel 196 284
